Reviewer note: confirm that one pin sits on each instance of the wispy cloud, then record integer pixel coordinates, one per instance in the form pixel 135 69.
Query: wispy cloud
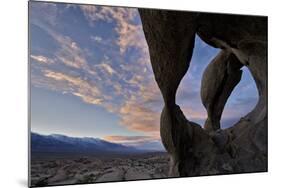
pixel 107 68
pixel 140 142
pixel 130 33
pixel 135 111
pixel 96 39
pixel 129 139
pixel 69 53
pixel 136 116
pixel 42 59
pixel 89 93
pixel 47 10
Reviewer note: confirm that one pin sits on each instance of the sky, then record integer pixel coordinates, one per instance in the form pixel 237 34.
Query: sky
pixel 91 76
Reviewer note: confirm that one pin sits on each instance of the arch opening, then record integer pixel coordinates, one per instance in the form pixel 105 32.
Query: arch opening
pixel 242 100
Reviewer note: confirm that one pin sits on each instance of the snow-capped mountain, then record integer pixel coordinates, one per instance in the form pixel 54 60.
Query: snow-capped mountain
pixel 56 143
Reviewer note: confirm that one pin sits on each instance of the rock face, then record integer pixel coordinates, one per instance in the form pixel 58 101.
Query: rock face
pixel 243 42
pixel 219 80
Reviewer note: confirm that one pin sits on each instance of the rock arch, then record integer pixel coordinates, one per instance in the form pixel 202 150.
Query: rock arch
pixel 243 42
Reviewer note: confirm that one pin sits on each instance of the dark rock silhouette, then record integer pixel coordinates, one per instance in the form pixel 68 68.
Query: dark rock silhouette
pixel 243 42
pixel 219 80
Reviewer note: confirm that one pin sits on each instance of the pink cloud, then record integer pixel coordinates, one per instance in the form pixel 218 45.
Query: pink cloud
pixel 129 139
pixel 42 59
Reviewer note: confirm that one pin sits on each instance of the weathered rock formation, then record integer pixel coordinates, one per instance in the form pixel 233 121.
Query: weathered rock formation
pixel 243 42
pixel 219 79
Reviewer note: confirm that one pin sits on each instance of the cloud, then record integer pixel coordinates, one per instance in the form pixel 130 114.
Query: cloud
pixel 151 94
pixel 129 139
pixel 135 113
pixel 118 88
pixel 138 117
pixel 69 57
pixel 49 11
pixel 107 14
pixel 107 68
pixel 130 33
pixel 140 142
pixel 42 59
pixel 95 13
pixel 97 39
pixel 69 52
pixel 130 36
pixel 135 80
pixel 89 93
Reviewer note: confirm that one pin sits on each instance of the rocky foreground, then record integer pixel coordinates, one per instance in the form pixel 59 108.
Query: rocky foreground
pixel 97 169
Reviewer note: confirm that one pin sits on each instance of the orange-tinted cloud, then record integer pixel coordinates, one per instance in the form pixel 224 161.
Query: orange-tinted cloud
pixel 106 67
pixel 136 116
pixel 130 34
pixel 42 59
pixel 88 92
pixel 129 139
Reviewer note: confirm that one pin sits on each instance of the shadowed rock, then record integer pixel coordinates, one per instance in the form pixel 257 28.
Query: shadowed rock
pixel 243 39
pixel 166 35
pixel 219 79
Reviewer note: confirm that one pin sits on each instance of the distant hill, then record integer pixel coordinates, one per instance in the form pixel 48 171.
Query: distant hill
pixel 60 144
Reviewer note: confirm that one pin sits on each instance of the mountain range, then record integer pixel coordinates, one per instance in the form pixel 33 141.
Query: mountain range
pixel 56 143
